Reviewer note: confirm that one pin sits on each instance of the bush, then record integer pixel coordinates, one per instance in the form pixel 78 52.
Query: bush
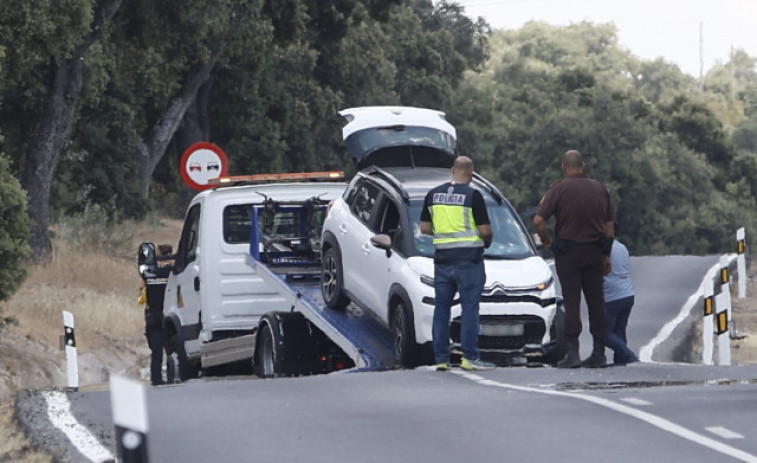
pixel 14 233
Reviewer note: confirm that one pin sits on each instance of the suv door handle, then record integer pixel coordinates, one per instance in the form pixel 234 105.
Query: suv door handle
pixel 197 283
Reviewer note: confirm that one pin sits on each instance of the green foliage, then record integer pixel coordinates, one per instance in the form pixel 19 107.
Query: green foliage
pixel 14 234
pixel 95 229
pixel 679 156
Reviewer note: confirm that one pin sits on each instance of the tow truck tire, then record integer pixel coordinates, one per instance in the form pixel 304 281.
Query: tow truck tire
pixel 175 350
pixel 332 280
pixel 267 365
pixel 403 329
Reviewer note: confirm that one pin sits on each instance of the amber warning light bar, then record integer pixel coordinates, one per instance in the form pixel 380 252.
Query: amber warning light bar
pixel 263 178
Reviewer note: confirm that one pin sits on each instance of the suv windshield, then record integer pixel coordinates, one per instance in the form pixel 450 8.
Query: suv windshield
pixel 510 241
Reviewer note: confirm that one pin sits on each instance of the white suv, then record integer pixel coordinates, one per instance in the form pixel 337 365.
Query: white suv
pixel 375 256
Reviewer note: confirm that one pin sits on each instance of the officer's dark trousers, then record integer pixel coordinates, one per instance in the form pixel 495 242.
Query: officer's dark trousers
pixel 581 269
pixel 154 334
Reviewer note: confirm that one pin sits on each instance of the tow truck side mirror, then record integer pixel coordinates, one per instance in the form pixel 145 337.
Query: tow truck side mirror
pixel 146 260
pixel 383 241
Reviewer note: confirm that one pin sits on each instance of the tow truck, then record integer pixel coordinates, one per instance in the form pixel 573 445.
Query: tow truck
pixel 245 283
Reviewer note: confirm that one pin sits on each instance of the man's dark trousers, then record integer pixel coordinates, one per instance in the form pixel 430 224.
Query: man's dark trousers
pixel 154 334
pixel 581 268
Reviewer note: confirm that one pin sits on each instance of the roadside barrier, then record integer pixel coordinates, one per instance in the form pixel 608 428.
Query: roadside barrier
pixel 719 306
pixel 129 407
pixel 69 345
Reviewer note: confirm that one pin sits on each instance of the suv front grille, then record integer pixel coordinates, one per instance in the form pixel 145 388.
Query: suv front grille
pixel 533 331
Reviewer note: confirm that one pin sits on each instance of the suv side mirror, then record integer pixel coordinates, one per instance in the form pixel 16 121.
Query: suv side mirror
pixel 383 241
pixel 146 260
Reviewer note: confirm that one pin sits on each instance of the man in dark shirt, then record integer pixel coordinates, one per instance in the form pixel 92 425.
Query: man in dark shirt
pixel 455 214
pixel 584 230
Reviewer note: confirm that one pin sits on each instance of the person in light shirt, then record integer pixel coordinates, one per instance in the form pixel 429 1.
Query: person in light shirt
pixel 619 299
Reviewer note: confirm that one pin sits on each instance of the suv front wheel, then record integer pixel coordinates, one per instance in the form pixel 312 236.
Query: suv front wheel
pixel 405 348
pixel 332 281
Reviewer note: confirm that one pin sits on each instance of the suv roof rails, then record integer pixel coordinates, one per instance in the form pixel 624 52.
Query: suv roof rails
pixel 389 178
pixel 498 196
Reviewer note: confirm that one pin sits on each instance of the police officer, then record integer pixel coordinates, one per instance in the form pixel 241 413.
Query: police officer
pixel 584 231
pixel 455 214
pixel 155 280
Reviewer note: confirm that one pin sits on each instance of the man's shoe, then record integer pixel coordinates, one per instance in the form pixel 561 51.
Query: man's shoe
pixel 571 360
pixel 479 364
pixel 595 360
pixel 442 366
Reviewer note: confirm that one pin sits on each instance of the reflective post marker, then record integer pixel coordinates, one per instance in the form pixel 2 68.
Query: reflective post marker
pixel 69 341
pixel 725 292
pixel 707 327
pixel 129 407
pixel 741 261
pixel 724 341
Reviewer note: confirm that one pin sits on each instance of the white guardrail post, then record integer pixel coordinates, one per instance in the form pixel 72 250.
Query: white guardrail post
pixel 707 326
pixel 741 262
pixel 723 305
pixel 129 407
pixel 69 344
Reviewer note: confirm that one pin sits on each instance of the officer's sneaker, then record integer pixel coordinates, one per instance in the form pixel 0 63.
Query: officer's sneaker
pixel 478 364
pixel 442 366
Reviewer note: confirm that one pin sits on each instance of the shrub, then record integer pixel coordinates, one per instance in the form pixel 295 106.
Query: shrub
pixel 14 232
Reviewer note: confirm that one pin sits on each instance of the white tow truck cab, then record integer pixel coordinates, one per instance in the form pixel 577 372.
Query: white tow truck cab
pixel 229 297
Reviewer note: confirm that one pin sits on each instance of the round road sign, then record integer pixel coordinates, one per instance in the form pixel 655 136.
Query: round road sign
pixel 201 162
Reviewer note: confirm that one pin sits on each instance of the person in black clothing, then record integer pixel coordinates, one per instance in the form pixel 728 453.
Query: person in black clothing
pixel 584 232
pixel 154 285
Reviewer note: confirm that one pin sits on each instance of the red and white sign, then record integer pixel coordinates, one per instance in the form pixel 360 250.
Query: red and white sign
pixel 202 162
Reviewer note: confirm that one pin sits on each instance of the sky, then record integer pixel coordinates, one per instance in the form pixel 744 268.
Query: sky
pixel 648 28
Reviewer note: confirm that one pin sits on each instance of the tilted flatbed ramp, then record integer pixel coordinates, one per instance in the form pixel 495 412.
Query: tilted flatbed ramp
pixel 358 333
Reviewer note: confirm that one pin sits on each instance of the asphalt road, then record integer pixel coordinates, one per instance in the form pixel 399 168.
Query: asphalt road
pixel 650 411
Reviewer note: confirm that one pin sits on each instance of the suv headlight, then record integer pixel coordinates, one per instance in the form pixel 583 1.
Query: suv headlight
pixel 545 284
pixel 427 280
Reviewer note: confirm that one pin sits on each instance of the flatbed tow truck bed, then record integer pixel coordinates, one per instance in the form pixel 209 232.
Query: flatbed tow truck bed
pixel 357 332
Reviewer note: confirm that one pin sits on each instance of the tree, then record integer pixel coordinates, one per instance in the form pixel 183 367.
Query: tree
pixel 52 48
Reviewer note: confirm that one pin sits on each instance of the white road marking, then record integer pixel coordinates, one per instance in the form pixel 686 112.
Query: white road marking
pixel 725 433
pixel 654 420
pixel 59 413
pixel 635 401
pixel 645 353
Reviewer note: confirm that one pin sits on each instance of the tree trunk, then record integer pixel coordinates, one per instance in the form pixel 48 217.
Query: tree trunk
pixel 51 134
pixel 195 126
pixel 151 151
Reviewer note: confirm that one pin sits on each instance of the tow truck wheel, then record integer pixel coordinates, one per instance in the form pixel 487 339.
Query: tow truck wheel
pixel 266 365
pixel 332 281
pixel 175 351
pixel 405 348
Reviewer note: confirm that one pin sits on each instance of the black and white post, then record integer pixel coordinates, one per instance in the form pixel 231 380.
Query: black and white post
pixel 724 321
pixel 707 322
pixel 741 261
pixel 69 343
pixel 129 406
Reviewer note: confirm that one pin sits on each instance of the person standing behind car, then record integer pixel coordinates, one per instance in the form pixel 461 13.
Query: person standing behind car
pixel 455 214
pixel 153 292
pixel 619 299
pixel 584 231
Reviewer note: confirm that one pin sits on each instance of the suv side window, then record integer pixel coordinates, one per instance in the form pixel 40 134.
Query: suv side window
pixel 364 201
pixel 189 239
